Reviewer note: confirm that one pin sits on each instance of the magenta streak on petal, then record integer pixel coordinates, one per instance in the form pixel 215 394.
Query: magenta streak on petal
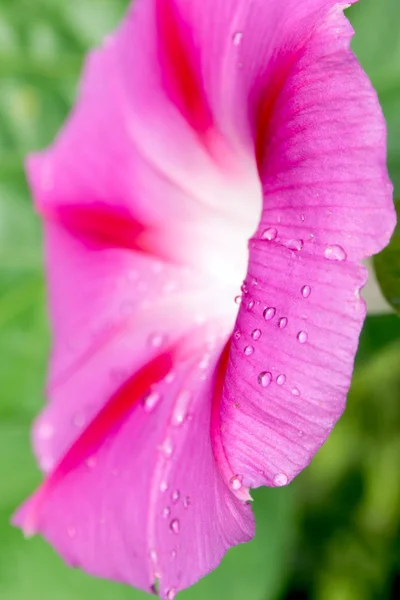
pixel 101 226
pixel 181 72
pixel 218 450
pixel 112 414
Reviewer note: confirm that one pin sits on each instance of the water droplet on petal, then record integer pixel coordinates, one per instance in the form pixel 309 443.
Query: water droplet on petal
pixel 153 555
pixel 248 350
pixel 302 218
pixel 238 299
pixel 175 496
pixel 150 401
pixel 156 340
pixel 280 479
pixel 170 377
pixel 236 482
pixel 91 462
pixel 186 502
pixel 295 245
pixel 78 420
pixel 280 380
pixel 205 362
pixel 71 532
pixel 269 234
pixel 269 313
pixel 302 337
pixel 282 322
pixel 45 431
pixel 305 291
pixel 335 253
pixel 163 486
pixel 265 378
pixel 256 334
pixel 173 554
pixel 167 447
pixel 171 593
pixel 237 334
pixel 237 38
pixel 181 407
pixel 175 526
pixel 250 305
pixel 295 391
pixel 166 512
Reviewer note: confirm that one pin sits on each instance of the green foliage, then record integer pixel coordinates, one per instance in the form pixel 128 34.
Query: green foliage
pixel 334 532
pixel 377 45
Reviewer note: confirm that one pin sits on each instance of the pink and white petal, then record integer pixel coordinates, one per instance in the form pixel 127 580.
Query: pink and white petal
pixel 112 310
pixel 136 506
pixel 327 205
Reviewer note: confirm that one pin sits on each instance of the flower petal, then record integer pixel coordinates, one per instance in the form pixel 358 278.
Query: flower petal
pixel 134 506
pixel 327 205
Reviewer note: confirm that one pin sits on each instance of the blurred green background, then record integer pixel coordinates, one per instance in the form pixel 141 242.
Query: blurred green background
pixel 331 535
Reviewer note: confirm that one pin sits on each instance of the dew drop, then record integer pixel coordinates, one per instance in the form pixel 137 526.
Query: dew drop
pixel 186 502
pixel 295 245
pixel 256 334
pixel 265 378
pixel 302 218
pixel 166 512
pixel 280 380
pixel 173 554
pixel 153 556
pixel 91 462
pixel 181 407
pixel 250 305
pixel 175 496
pixel 244 288
pixel 175 526
pixel 305 291
pixel 282 322
pixel 151 400
pixel 302 337
pixel 280 479
pixel 248 350
pixel 236 482
pixel 170 377
pixel 78 420
pixel 167 447
pixel 269 234
pixel 156 340
pixel 237 334
pixel 237 38
pixel 269 313
pixel 163 486
pixel 295 391
pixel 45 431
pixel 171 593
pixel 238 299
pixel 205 362
pixel 335 253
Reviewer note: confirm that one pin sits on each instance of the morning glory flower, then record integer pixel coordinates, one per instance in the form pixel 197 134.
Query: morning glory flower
pixel 206 208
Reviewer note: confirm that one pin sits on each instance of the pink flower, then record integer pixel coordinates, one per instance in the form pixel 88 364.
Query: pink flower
pixel 217 146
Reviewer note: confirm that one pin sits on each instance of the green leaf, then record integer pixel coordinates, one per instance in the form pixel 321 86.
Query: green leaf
pixel 387 268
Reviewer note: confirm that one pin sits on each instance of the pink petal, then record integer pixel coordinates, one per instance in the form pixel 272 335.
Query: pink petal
pixel 139 497
pixel 327 205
